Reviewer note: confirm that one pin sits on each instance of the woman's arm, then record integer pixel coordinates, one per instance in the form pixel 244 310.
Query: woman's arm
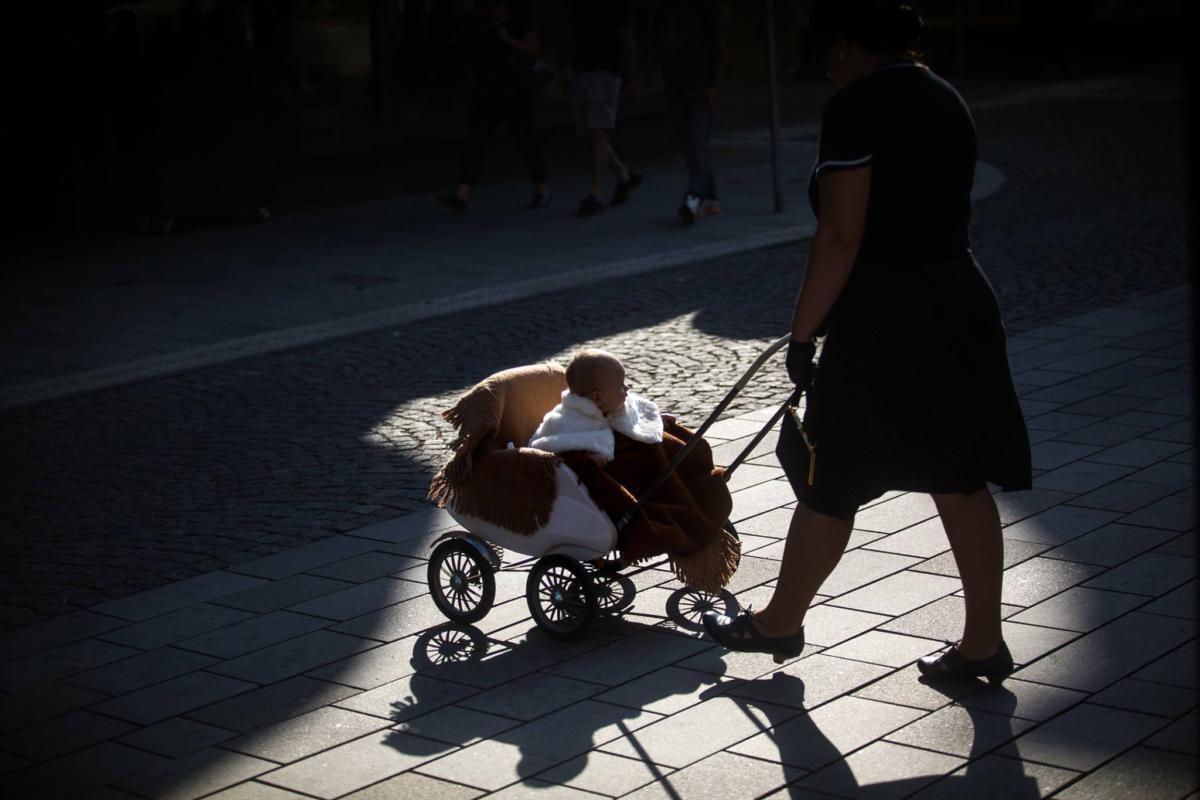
pixel 843 203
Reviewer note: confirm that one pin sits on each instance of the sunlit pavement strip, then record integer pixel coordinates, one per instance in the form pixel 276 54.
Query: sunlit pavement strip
pixel 324 670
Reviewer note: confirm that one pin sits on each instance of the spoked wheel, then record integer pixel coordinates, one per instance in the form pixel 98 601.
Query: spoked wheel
pixel 561 596
pixel 686 607
pixel 461 581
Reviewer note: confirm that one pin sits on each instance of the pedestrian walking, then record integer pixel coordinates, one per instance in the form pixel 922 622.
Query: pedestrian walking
pixel 913 390
pixel 503 53
pixel 689 48
pixel 604 60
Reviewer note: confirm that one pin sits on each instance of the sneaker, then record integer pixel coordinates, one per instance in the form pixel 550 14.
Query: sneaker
pixel 689 209
pixel 625 188
pixel 451 201
pixel 590 206
pixel 709 208
pixel 540 200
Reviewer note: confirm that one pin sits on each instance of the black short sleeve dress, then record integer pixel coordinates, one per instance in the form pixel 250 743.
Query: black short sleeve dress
pixel 913 390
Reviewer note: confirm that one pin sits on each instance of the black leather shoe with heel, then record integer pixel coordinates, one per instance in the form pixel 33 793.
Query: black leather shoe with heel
pixel 952 665
pixel 739 633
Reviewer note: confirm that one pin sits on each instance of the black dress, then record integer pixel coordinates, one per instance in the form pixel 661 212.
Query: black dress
pixel 913 390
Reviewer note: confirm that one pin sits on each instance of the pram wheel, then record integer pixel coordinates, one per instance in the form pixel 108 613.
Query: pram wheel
pixel 561 596
pixel 461 582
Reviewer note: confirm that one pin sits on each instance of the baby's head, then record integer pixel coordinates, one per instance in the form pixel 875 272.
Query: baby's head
pixel 598 376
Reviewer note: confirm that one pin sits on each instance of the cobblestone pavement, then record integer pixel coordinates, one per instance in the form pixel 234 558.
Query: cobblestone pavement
pixel 132 487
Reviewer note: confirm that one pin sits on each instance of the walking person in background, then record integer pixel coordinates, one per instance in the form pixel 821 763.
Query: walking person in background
pixel 504 92
pixel 605 57
pixel 688 45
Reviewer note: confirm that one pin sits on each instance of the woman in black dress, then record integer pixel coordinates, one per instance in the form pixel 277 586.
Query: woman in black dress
pixel 913 390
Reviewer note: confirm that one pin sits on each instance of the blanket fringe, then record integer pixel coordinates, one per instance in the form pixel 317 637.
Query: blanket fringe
pixel 710 567
pixel 489 496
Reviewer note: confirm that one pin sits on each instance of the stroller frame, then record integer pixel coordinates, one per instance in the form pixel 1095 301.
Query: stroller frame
pixel 565 595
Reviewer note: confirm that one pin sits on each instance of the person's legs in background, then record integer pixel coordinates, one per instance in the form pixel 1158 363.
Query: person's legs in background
pixel 484 119
pixel 700 174
pixel 520 125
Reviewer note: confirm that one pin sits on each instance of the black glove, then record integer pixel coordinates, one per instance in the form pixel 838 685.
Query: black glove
pixel 800 366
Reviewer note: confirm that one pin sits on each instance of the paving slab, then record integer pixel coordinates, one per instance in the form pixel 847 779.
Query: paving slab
pixel 629 658
pixel 1140 774
pixel 941 619
pixel 899 593
pixel 541 693
pixel 270 704
pixel 1059 524
pixel 1181 602
pixel 665 691
pixel 282 593
pixel 881 647
pixel 141 670
pixel 407 697
pixel 1023 699
pixel 897 514
pixel 358 600
pixel 457 726
pixel 1110 652
pixel 533 747
pixel 356 764
pixel 1147 698
pixel 196 775
pixel 253 790
pixel 1148 574
pixel 1111 545
pixel 998 778
pixel 1084 737
pixel 827 734
pixel 1079 609
pixel 177 737
pixel 306 557
pixel 253 634
pixel 1080 477
pixel 26 641
pixel 726 775
pixel 174 596
pixel 74 774
pixel 827 625
pixel 368 566
pixel 43 702
pixel 809 682
pixel 1037 579
pixel 1171 513
pixel 906 687
pixel 410 784
pixel 60 662
pixel 1015 551
pixel 293 739
pixel 1028 643
pixel 882 770
pixel 1177 668
pixel 176 626
pixel 170 698
pixel 604 774
pixel 63 734
pixel 960 731
pixel 860 567
pixel 301 654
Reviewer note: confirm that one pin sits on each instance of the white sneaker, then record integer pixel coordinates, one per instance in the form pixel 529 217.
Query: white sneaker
pixel 690 209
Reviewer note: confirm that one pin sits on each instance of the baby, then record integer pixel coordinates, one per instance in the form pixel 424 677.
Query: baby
pixel 596 403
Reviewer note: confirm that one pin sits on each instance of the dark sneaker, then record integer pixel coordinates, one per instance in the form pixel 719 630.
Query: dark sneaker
pixel 689 209
pixel 590 206
pixel 451 201
pixel 540 200
pixel 625 188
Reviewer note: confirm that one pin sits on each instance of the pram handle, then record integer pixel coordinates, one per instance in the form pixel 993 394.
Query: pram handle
pixel 661 478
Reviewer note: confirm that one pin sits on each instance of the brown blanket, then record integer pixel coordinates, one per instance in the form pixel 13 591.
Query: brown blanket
pixel 685 519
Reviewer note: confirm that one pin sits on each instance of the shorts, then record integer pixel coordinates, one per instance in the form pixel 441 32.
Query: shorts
pixel 594 96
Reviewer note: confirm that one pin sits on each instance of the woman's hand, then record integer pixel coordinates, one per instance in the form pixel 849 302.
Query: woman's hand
pixel 800 366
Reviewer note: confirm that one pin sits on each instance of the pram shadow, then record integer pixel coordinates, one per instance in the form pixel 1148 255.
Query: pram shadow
pixel 454 660
pixel 556 746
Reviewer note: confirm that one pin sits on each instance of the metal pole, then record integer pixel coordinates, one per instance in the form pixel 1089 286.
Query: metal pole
pixel 776 186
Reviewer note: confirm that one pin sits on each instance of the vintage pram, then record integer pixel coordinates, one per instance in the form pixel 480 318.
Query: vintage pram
pixel 561 589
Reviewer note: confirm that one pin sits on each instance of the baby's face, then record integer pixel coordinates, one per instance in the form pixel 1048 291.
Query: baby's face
pixel 610 390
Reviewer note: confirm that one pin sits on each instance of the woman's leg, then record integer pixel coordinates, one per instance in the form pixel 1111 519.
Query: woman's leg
pixel 815 544
pixel 972 525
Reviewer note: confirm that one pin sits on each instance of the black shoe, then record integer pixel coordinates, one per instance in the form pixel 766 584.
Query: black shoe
pixel 738 633
pixel 451 201
pixel 625 188
pixel 951 665
pixel 540 200
pixel 689 208
pixel 590 206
